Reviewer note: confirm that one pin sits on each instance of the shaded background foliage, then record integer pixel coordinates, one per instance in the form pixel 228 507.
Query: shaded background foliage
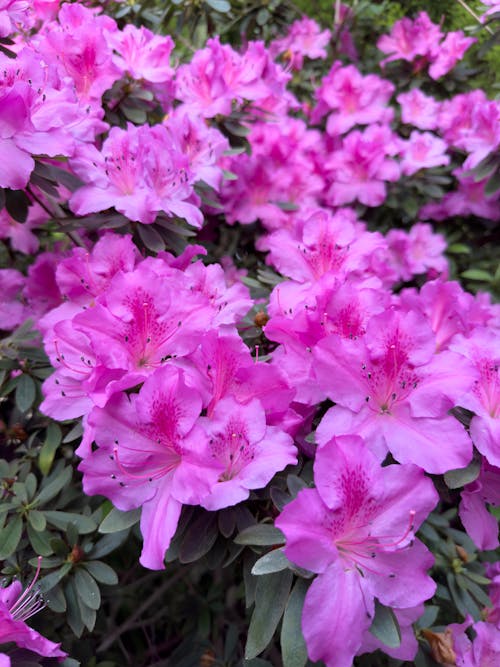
pixel 106 608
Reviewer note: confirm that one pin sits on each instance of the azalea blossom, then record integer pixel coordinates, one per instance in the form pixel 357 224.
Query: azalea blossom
pixel 356 531
pixel 391 388
pixel 16 607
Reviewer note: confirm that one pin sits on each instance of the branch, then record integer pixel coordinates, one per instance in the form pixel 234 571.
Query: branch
pixel 129 623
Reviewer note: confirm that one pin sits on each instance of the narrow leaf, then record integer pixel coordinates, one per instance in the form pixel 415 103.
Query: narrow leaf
pixel 293 647
pixel 271 596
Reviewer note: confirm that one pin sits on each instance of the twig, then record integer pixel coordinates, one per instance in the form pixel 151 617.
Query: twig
pixel 128 624
pixel 474 15
pixel 74 236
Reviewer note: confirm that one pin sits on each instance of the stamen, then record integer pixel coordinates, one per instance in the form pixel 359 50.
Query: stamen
pixel 62 360
pixel 28 604
pixel 160 472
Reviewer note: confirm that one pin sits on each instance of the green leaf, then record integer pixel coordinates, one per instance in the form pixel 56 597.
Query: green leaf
pixel 10 536
pixel 49 447
pixel 293 646
pixel 109 543
pixel 493 185
pixel 385 626
pixel 37 520
pixel 229 175
pixel 48 582
pixel 274 561
pixel 60 520
pixel 262 534
pixel 219 5
pixel 39 541
pixel 458 249
pixel 17 204
pixel 73 614
pixel 151 238
pixel 117 520
pixel 25 392
pixel 461 476
pixel 87 589
pixel 477 274
pixel 102 572
pixel 271 595
pixel 295 484
pixel 199 538
pixel 52 487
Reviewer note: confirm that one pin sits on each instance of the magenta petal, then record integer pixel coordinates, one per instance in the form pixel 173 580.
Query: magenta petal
pixel 436 445
pixel 15 165
pixel 337 611
pixel 308 543
pixel 158 525
pixel 399 578
pixel 345 468
pixel 481 526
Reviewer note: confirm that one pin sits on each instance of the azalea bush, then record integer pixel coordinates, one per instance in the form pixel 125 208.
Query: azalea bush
pixel 249 353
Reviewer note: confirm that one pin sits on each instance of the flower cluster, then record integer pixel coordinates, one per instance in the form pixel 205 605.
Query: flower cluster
pixel 372 355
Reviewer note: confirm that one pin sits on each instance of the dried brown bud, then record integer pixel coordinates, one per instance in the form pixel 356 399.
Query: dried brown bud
pixel 77 554
pixel 441 644
pixel 462 554
pixel 207 659
pixel 261 319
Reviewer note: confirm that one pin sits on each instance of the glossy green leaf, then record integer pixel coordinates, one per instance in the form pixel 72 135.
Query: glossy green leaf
pixel 54 485
pixel 461 476
pixel 49 447
pixel 25 392
pixel 274 561
pixel 262 534
pixel 10 536
pixel 61 519
pixel 385 626
pixel 117 520
pixel 87 589
pixel 101 572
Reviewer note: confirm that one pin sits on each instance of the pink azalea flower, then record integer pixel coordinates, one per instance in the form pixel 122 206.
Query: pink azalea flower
pixel 16 607
pixel 204 146
pixel 482 348
pixel 12 310
pixel 142 54
pixel 304 38
pixel 417 251
pixel 360 168
pixel 449 52
pixel 246 452
pixel 322 243
pixel 85 275
pixel 468 199
pixel 471 122
pixel 409 39
pixel 15 15
pixel 494 6
pixel 481 526
pixel 350 99
pixel 449 310
pixel 216 76
pixel 482 651
pixel 300 321
pixel 77 44
pixel 20 234
pixel 419 109
pixel 139 172
pixel 390 388
pixel 356 531
pixel 150 454
pixel 422 150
